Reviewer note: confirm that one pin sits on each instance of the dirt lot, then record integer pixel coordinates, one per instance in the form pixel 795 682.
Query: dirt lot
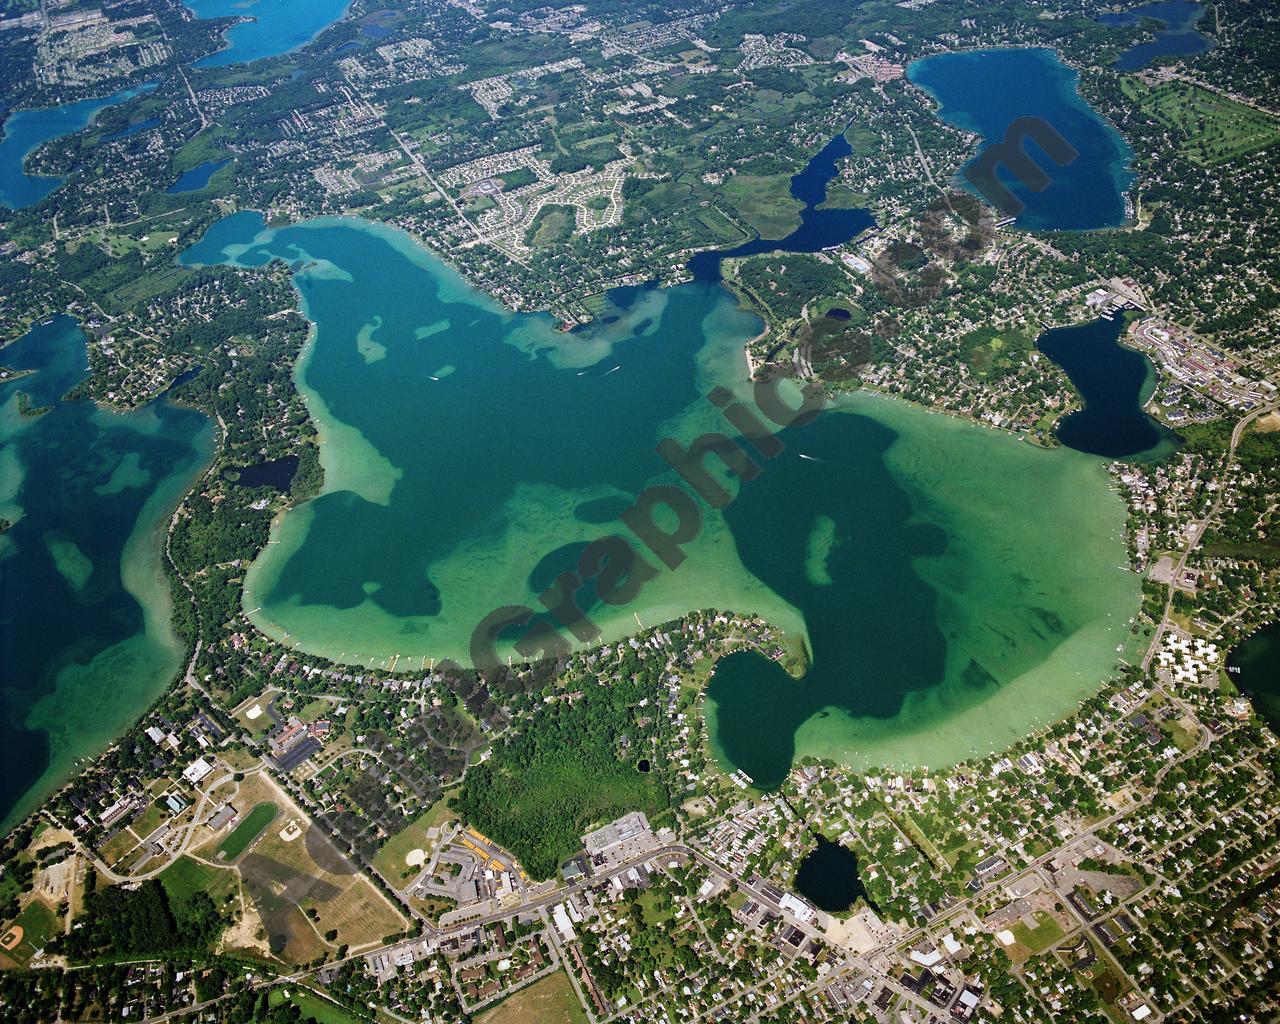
pixel 284 878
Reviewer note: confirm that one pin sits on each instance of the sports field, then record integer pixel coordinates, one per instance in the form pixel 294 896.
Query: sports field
pixel 248 830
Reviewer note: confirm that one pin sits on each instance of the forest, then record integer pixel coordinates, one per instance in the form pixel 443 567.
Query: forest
pixel 565 769
pixel 120 923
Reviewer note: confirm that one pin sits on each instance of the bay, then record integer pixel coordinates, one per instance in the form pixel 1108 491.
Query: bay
pixel 198 177
pixel 275 26
pixel 952 585
pixel 819 229
pixel 985 91
pixel 85 606
pixel 1178 38
pixel 26 130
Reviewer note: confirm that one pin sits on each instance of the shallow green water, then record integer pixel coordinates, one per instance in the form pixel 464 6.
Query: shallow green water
pixel 85 637
pixel 976 588
pixel 952 583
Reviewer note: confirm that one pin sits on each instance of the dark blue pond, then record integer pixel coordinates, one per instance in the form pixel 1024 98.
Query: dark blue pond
pixel 819 229
pixel 985 91
pixel 1179 37
pixel 1254 666
pixel 277 473
pixel 198 177
pixel 828 878
pixel 133 129
pixel 1114 382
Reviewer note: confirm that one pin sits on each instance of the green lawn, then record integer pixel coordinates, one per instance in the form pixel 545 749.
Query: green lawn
pixel 1046 932
pixel 151 819
pixel 186 876
pixel 251 826
pixel 390 858
pixel 313 1005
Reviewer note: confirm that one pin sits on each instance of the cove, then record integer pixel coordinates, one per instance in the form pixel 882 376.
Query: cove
pixel 1254 667
pixel 26 130
pixel 819 229
pixel 84 603
pixel 962 583
pixel 984 91
pixel 1178 38
pixel 973 586
pixel 1115 383
pixel 828 877
pixel 273 26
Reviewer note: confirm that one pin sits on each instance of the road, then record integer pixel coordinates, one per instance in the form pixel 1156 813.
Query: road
pixel 1203 527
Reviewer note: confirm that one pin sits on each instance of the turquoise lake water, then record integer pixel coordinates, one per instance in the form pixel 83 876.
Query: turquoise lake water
pixel 278 26
pixel 985 91
pixel 84 604
pixel 25 130
pixel 953 584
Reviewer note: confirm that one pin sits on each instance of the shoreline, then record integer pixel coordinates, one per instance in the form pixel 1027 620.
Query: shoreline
pixel 144 579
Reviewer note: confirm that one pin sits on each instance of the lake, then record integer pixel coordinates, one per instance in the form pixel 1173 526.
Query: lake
pixel 133 129
pixel 984 91
pixel 828 878
pixel 84 602
pixel 198 177
pixel 953 584
pixel 26 130
pixel 1254 666
pixel 277 474
pixel 819 229
pixel 1114 383
pixel 277 26
pixel 1179 37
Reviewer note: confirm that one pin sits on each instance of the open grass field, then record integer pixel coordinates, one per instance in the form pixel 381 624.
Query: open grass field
pixel 1209 129
pixel 164 279
pixel 765 202
pixel 549 1001
pixel 390 861
pixel 284 878
pixel 117 847
pixel 250 827
pixel 37 923
pixel 991 353
pixel 313 1005
pixel 150 819
pixel 552 224
pixel 260 724
pixel 1046 932
pixel 185 876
